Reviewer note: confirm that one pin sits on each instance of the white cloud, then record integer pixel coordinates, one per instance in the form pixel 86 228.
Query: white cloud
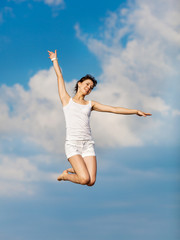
pixel 176 112
pixel 35 114
pixel 134 75
pixel 17 175
pixel 138 52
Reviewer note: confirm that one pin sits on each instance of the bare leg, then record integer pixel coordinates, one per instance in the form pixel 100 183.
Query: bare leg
pixel 91 164
pixel 81 174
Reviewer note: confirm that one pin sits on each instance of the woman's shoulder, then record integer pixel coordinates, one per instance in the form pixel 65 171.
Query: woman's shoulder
pixel 92 104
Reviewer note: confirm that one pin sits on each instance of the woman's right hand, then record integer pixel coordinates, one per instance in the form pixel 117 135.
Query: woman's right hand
pixel 52 54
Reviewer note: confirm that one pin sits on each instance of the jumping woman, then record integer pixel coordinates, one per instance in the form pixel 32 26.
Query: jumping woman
pixel 79 145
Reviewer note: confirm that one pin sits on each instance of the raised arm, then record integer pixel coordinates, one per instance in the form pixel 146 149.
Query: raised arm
pixel 64 96
pixel 118 110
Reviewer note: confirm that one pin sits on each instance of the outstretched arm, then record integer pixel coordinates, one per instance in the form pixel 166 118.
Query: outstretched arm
pixel 118 110
pixel 61 85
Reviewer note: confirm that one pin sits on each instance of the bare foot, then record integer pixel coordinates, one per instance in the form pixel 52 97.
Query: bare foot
pixel 71 170
pixel 61 177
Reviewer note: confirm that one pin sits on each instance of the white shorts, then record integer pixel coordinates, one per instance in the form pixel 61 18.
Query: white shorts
pixel 84 148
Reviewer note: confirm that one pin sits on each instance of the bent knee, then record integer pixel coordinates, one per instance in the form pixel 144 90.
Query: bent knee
pixel 92 182
pixel 84 180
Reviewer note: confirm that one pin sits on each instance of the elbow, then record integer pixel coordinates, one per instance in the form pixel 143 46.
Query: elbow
pixel 114 110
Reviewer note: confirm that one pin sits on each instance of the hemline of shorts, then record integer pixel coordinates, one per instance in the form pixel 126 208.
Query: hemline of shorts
pixel 84 148
pixel 83 155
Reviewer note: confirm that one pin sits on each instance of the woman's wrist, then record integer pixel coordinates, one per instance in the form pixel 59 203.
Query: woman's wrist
pixel 53 59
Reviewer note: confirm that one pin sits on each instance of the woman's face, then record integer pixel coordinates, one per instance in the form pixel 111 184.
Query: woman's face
pixel 86 86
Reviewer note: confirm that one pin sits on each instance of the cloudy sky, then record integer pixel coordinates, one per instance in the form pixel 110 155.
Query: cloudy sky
pixel 133 50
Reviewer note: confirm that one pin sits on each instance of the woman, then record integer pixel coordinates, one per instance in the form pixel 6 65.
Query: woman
pixel 79 146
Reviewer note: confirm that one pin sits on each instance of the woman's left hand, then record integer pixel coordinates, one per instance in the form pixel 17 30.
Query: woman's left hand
pixel 143 114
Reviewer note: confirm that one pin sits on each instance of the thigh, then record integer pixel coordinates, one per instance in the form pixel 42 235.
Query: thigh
pixel 91 164
pixel 79 166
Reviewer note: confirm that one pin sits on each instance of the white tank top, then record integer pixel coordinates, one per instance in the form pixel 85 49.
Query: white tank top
pixel 77 117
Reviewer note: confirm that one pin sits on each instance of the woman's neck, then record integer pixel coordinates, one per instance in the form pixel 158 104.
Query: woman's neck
pixel 79 97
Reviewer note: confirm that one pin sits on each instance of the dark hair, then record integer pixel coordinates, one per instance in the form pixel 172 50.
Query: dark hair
pixel 88 76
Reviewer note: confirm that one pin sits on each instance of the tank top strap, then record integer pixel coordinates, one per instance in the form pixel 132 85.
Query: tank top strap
pixel 71 100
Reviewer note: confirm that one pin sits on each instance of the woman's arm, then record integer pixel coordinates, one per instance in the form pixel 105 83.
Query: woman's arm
pixel 118 110
pixel 61 85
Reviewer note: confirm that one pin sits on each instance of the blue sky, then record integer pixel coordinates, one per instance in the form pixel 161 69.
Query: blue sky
pixel 132 48
pixel 28 30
